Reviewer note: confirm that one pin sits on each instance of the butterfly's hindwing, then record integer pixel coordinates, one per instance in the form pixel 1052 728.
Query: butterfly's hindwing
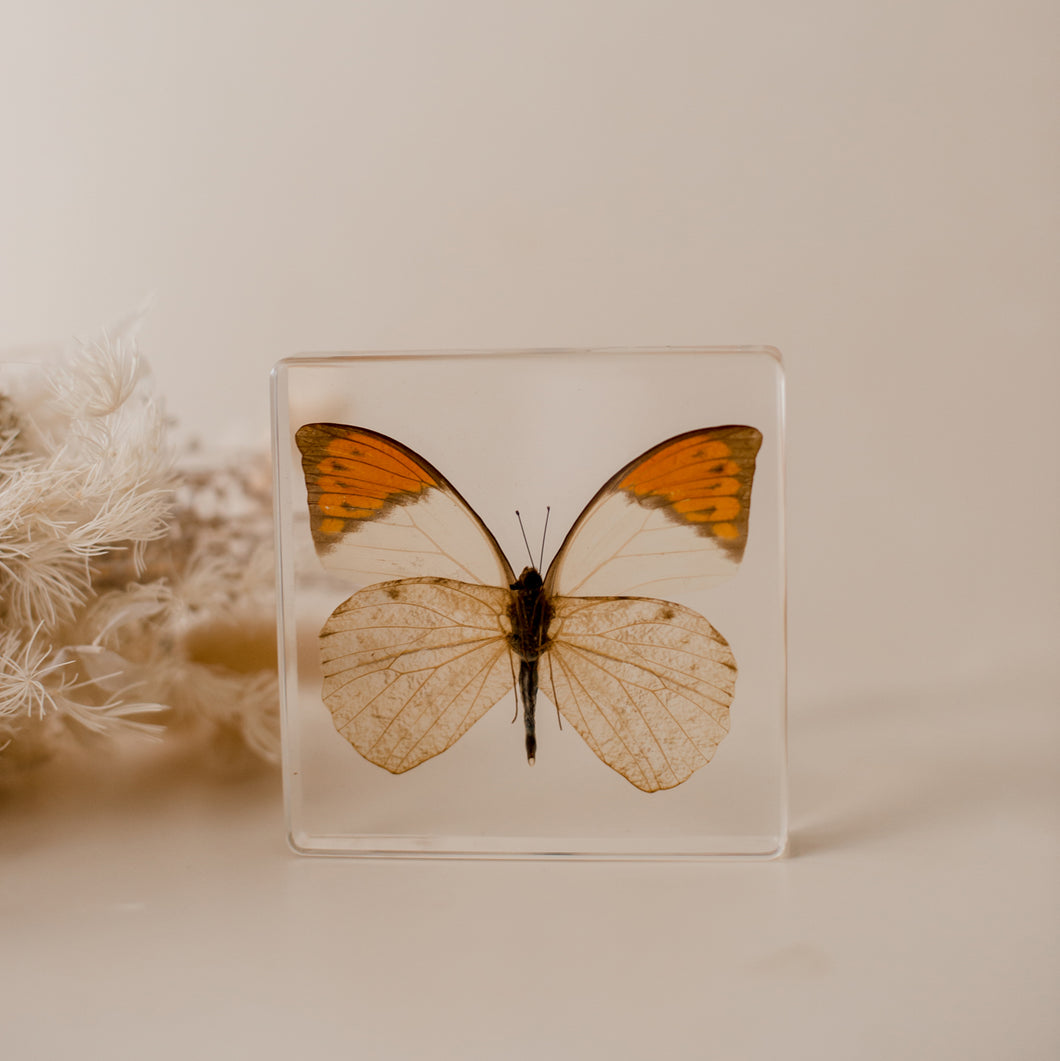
pixel 647 684
pixel 410 666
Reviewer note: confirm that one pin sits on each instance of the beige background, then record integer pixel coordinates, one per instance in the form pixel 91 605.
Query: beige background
pixel 869 187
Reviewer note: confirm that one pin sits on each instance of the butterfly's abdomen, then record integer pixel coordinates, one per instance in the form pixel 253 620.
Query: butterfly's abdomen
pixel 530 613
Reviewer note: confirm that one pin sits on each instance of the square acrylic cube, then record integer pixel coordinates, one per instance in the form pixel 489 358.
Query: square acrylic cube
pixel 535 433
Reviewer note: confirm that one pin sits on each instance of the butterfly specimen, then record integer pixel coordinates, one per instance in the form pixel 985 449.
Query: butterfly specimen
pixel 444 628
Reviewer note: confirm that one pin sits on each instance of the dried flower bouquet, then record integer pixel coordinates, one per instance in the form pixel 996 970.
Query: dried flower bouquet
pixel 135 596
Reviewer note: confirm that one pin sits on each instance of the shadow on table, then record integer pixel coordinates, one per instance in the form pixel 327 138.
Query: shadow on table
pixel 917 761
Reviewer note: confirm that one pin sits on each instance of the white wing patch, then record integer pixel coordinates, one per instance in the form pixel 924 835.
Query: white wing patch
pixel 623 547
pixel 433 536
pixel 410 666
pixel 646 683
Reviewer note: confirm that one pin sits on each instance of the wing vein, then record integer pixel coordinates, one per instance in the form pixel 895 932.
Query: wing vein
pixel 482 675
pixel 640 759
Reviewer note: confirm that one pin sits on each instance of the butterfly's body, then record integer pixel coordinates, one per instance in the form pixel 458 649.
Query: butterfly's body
pixel 412 662
pixel 531 614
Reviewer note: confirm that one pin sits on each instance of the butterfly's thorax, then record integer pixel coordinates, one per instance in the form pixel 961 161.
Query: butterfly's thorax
pixel 530 613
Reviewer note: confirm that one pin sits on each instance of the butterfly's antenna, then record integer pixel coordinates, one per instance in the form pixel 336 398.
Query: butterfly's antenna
pixel 525 542
pixel 541 560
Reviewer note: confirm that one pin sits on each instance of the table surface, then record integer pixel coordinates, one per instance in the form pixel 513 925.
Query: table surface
pixel 151 908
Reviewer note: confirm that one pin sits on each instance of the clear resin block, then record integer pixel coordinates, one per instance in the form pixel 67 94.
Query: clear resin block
pixel 458 530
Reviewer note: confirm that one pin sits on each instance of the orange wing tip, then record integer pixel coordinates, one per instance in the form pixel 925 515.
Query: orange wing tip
pixel 334 494
pixel 355 476
pixel 339 507
pixel 717 449
pixel 331 525
pixel 679 455
pixel 719 509
pixel 693 482
pixel 378 456
pixel 727 531
pixel 360 474
pixel 677 466
pixel 703 496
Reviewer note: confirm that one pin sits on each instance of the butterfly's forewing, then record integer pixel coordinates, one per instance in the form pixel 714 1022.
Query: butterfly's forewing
pixel 676 516
pixel 379 511
pixel 410 666
pixel 646 683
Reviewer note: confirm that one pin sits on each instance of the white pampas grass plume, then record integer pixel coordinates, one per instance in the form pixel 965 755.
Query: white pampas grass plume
pixel 118 595
pixel 30 677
